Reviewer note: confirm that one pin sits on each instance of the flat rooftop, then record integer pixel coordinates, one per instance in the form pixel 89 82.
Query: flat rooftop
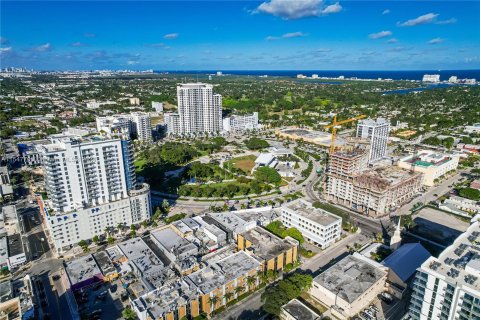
pixel 104 262
pixel 460 262
pixel 351 277
pixel 299 311
pixel 222 272
pixel 169 239
pixel 82 269
pixel 265 245
pixel 15 245
pixel 262 216
pixel 307 211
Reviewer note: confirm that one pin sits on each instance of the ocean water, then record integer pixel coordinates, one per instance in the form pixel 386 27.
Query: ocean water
pixel 396 75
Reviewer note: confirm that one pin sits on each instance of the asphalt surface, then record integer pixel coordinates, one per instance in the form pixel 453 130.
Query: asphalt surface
pixel 251 307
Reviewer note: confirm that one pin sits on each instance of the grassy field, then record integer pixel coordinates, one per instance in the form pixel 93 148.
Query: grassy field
pixel 245 163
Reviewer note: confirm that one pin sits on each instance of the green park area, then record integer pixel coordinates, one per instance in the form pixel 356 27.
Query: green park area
pixel 244 163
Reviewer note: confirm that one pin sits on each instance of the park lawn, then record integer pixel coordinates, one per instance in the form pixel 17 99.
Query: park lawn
pixel 139 163
pixel 245 163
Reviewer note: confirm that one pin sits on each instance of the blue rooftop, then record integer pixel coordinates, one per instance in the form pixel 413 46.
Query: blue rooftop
pixel 406 259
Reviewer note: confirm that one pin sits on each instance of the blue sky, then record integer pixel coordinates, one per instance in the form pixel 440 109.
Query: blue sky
pixel 230 35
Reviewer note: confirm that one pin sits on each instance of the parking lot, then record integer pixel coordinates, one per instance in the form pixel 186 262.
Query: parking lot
pixel 102 301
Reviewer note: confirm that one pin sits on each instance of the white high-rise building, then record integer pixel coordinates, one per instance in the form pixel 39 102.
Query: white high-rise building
pixel 431 78
pixel 172 122
pixel 91 185
pixel 200 110
pixel 141 125
pixel 453 79
pixel 376 131
pixel 241 123
pixel 448 287
pixel 138 123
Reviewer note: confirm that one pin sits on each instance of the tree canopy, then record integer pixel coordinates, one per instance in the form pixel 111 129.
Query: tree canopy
pixel 256 143
pixel 267 175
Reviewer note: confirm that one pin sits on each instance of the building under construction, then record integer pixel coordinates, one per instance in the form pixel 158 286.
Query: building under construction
pixel 374 192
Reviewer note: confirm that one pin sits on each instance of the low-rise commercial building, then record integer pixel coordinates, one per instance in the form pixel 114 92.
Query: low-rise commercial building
pixel 316 225
pixel 136 123
pixel 433 165
pixel 461 206
pixel 296 310
pixel 448 287
pixel 6 189
pixel 350 285
pixel 272 252
pixel 11 243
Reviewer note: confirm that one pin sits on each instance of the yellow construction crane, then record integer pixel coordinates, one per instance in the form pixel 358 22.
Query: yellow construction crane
pixel 334 128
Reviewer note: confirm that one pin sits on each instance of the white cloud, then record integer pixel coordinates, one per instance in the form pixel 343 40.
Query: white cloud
pixel 132 62
pixel 386 11
pixel 436 41
pixel 171 36
pixel 77 44
pixel 379 35
pixel 425 19
pixel 287 36
pixel 44 47
pixel 333 8
pixel 448 21
pixel 5 50
pixel 292 9
pixel 393 40
pixel 90 35
pixel 294 35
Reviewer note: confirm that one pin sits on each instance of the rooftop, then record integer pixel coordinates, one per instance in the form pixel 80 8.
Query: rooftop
pixel 307 211
pixel 170 240
pixel 460 262
pixel 265 245
pixel 82 269
pixel 405 260
pixel 15 245
pixel 299 311
pixel 351 277
pixel 383 178
pixel 222 272
pixel 104 262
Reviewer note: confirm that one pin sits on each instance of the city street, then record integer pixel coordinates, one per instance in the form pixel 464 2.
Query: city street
pixel 250 308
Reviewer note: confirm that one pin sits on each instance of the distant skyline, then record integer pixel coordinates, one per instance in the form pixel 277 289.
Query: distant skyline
pixel 240 35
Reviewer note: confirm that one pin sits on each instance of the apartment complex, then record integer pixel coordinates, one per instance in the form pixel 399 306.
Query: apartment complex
pixel 376 132
pixel 199 110
pixel 241 122
pixel 448 287
pixel 374 192
pixel 316 225
pixel 433 165
pixel 138 124
pixel 91 184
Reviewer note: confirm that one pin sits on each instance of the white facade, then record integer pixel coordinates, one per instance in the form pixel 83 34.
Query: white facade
pixel 91 185
pixel 158 106
pixel 241 123
pixel 432 165
pixel 199 110
pixel 172 122
pixel 316 225
pixel 453 79
pixel 448 287
pixel 431 78
pixel 376 131
pixel 138 123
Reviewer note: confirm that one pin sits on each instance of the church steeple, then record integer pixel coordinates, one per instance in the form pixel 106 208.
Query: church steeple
pixel 396 239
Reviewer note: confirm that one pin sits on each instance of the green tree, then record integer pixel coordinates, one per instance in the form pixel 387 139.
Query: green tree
pixel 470 193
pixel 256 143
pixel 96 239
pixel 84 245
pixel 129 314
pixel 110 240
pixel 133 234
pixel 213 301
pixel 267 175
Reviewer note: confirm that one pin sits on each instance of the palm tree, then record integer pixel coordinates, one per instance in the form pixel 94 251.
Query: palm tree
pixel 239 290
pixel 251 281
pixel 213 302
pixel 228 296
pixel 262 276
